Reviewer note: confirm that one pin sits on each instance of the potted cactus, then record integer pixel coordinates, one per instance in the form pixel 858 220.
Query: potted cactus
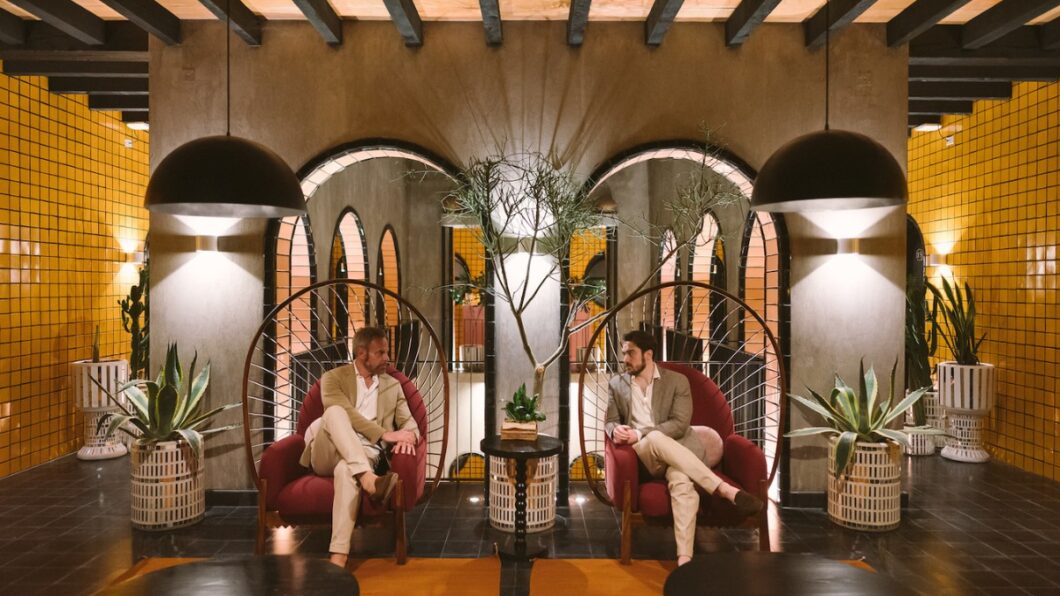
pixel 921 342
pixel 89 376
pixel 521 417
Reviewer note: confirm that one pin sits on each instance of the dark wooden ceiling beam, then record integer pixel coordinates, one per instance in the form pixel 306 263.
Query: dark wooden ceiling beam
pixel 1001 19
pixel 125 43
pixel 939 106
pixel 12 29
pixel 57 68
pixel 918 17
pixel 134 117
pixel 577 21
pixel 241 20
pixel 918 119
pixel 323 18
pixel 1049 35
pixel 941 46
pixel 747 15
pixel 97 85
pixel 133 103
pixel 965 90
pixel 68 17
pixel 407 20
pixel 840 12
pixel 660 18
pixel 491 21
pixel 984 73
pixel 149 16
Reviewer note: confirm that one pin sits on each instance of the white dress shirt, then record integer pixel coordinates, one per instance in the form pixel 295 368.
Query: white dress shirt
pixel 640 404
pixel 367 406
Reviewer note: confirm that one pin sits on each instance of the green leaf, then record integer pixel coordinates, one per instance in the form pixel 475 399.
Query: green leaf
pixel 844 452
pixel 198 388
pixel 871 389
pixel 902 407
pixel 820 410
pixel 895 435
pixel 167 406
pixel 136 397
pixel 210 414
pixel 812 430
pixel 194 440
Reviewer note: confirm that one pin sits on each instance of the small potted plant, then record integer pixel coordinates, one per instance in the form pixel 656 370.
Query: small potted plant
pixel 521 417
pixel 93 379
pixel 864 463
pixel 167 471
pixel 921 341
pixel 967 387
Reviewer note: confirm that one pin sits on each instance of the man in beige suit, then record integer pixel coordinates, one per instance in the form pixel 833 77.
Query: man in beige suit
pixel 650 408
pixel 365 412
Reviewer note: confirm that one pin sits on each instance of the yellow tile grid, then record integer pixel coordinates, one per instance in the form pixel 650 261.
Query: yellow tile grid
pixel 986 191
pixel 71 194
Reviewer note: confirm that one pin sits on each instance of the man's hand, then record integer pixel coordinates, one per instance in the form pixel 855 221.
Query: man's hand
pixel 624 435
pixel 404 441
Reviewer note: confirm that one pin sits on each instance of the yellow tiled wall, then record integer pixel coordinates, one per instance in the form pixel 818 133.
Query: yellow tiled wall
pixel 71 194
pixel 986 190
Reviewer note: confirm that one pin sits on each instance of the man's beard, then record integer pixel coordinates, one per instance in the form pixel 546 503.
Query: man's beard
pixel 636 371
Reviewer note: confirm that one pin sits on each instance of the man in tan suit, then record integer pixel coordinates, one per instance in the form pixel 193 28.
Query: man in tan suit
pixel 365 412
pixel 650 408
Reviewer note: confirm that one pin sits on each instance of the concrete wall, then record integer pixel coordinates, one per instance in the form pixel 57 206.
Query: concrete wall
pixel 458 98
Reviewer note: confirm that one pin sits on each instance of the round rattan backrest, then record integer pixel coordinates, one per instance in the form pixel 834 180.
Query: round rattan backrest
pixel 704 328
pixel 311 333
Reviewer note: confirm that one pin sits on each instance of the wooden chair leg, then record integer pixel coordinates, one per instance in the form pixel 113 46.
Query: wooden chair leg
pixel 259 544
pixel 400 540
pixel 763 518
pixel 626 535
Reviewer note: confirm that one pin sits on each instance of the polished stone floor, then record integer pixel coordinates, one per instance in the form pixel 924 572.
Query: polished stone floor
pixel 969 529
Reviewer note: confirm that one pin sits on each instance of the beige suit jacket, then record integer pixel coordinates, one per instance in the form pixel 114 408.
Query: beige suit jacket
pixel 338 387
pixel 671 408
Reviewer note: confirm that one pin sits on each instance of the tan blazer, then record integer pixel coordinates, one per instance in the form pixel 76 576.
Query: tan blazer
pixel 338 387
pixel 671 408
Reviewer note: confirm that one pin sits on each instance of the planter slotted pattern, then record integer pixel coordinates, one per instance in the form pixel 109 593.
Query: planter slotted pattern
pixel 870 496
pixel 166 493
pixel 926 444
pixel 540 493
pixel 967 392
pixel 95 404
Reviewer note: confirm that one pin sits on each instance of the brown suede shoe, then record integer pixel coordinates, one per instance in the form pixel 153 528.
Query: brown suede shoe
pixel 747 504
pixel 384 487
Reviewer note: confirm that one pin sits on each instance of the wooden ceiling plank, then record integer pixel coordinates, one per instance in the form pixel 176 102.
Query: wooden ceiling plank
pixel 747 15
pixel 149 16
pixel 97 85
pixel 125 43
pixel 659 20
pixel 68 17
pixel 57 68
pixel 407 20
pixel 577 21
pixel 938 106
pixel 918 119
pixel 128 117
pixel 12 29
pixel 491 21
pixel 918 17
pixel 137 103
pixel 966 90
pixel 840 12
pixel 1049 35
pixel 323 18
pixel 941 46
pixel 1001 19
pixel 984 73
pixel 241 20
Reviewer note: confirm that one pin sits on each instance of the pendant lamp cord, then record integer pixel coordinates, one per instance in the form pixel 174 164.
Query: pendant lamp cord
pixel 827 53
pixel 228 68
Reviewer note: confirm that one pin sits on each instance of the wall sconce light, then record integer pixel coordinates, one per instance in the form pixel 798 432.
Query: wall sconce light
pixel 206 244
pixel 936 260
pixel 134 257
pixel 847 246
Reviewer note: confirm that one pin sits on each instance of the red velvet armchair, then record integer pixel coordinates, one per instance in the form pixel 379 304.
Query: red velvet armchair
pixel 743 465
pixel 292 495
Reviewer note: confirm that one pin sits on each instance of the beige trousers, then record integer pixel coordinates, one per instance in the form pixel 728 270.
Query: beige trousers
pixel 337 451
pixel 664 456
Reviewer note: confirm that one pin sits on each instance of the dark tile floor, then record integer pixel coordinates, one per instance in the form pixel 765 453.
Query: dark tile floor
pixel 969 529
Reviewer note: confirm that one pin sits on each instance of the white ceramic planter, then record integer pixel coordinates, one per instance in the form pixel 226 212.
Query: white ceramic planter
pixel 95 404
pixel 967 393
pixel 935 418
pixel 869 497
pixel 540 493
pixel 167 492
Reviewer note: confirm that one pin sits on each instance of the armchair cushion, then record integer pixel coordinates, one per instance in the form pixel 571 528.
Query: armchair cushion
pixel 621 464
pixel 279 467
pixel 744 462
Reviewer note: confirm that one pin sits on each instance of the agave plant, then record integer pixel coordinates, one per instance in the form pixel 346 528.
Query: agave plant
pixel 168 408
pixel 921 341
pixel 958 310
pixel 860 416
pixel 523 408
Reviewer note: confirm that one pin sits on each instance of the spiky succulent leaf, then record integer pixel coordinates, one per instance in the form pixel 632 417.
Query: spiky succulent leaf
pixel 895 435
pixel 844 452
pixel 811 430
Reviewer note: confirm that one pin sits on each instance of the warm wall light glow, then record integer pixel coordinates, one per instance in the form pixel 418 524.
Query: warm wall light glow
pixel 928 127
pixel 208 226
pixel 206 244
pixel 847 246
pixel 850 223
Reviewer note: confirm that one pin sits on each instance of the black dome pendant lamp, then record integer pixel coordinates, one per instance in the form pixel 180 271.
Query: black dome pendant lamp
pixel 829 169
pixel 224 176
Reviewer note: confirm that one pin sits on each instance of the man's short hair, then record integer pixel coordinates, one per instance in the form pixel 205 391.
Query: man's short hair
pixel 365 336
pixel 642 339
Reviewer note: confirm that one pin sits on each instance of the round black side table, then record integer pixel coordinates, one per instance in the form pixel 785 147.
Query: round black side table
pixel 520 451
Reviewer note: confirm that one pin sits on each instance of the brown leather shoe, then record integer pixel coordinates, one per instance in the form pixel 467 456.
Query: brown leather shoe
pixel 384 487
pixel 747 504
